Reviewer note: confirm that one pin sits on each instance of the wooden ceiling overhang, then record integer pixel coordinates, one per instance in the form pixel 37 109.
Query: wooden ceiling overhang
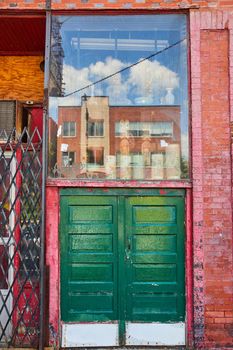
pixel 22 35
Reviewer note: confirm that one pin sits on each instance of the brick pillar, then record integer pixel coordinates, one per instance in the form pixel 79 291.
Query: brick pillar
pixel 197 176
pixel 217 227
pixel 212 176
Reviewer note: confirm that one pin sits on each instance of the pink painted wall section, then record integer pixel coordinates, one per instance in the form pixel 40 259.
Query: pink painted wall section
pixel 118 184
pixel 230 25
pixel 217 241
pixel 211 90
pixel 52 262
pixel 189 269
pixel 197 174
pixel 113 4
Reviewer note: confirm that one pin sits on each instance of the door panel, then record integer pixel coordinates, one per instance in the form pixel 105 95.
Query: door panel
pixel 155 264
pixel 89 255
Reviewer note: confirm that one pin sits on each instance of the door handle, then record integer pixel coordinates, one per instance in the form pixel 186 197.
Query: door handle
pixel 128 249
pixel 127 257
pixel 129 245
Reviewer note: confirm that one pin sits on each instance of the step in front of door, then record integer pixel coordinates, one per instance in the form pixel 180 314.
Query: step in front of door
pixel 137 334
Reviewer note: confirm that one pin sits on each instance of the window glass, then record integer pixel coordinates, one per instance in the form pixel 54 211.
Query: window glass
pixel 95 156
pixel 68 128
pixel 96 128
pixel 68 158
pixel 118 89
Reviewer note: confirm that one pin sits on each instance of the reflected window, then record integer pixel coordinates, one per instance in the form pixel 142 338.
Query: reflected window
pixel 68 129
pixel 119 97
pixel 95 156
pixel 96 128
pixel 139 129
pixel 68 158
pixel 164 129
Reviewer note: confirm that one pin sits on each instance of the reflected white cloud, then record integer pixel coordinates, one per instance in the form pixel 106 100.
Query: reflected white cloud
pixel 116 88
pixel 118 91
pixel 147 79
pixel 152 78
pixel 102 69
pixel 73 100
pixel 75 79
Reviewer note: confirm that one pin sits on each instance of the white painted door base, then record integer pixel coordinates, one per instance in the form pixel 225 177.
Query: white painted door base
pixel 155 334
pixel 137 334
pixel 89 334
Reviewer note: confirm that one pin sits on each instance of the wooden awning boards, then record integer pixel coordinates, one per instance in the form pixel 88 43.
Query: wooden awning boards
pixel 22 35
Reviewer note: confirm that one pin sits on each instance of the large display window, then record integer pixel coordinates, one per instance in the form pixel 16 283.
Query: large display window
pixel 118 97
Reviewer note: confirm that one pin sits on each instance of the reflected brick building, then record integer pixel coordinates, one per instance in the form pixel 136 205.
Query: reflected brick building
pixel 96 135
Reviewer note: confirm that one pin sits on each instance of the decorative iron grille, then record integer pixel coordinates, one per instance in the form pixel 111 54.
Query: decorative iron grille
pixel 20 225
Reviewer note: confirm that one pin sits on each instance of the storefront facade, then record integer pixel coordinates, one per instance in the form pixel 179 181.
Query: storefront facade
pixel 122 120
pixel 138 234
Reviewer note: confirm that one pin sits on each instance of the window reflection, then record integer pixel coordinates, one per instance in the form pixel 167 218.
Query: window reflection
pixel 68 129
pixel 120 109
pixel 68 158
pixel 96 128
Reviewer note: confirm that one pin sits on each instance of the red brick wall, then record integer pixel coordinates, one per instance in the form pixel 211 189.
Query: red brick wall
pixel 114 4
pixel 211 53
pixel 69 114
pixel 171 113
pixel 217 225
pixel 144 114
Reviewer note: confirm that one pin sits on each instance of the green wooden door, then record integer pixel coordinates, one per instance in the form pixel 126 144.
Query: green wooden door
pixel 88 258
pixel 155 264
pixel 122 258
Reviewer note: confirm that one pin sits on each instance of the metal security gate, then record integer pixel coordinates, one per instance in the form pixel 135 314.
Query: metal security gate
pixel 122 268
pixel 20 227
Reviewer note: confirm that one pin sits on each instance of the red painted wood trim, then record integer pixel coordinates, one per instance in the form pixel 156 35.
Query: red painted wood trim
pixel 21 53
pixel 118 184
pixel 17 232
pixel 29 13
pixel 118 12
pixel 189 268
pixel 53 263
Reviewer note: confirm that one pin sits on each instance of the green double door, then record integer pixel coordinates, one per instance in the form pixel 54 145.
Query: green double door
pixel 122 257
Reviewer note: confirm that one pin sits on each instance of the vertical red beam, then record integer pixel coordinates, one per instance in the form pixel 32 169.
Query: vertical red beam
pixel 17 233
pixel 189 268
pixel 52 262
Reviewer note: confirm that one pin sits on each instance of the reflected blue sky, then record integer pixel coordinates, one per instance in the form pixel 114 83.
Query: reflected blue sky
pixel 97 46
